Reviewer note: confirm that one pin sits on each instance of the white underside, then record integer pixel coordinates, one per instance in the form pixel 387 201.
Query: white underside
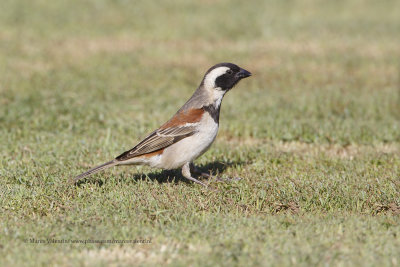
pixel 184 151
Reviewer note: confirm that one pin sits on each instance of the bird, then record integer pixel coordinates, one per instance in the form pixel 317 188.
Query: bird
pixel 189 133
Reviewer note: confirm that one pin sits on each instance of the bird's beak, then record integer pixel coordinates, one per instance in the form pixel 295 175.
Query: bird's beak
pixel 243 74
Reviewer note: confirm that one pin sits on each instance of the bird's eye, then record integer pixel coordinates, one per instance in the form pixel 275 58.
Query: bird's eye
pixel 229 72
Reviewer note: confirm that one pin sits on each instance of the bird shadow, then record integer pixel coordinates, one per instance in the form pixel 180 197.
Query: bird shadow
pixel 97 182
pixel 175 176
pixel 171 176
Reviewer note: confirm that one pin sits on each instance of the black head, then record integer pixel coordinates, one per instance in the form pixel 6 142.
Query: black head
pixel 224 76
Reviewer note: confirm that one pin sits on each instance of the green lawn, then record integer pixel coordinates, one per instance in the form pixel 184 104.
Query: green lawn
pixel 314 133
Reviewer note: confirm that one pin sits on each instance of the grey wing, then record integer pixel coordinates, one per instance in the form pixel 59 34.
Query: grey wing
pixel 158 140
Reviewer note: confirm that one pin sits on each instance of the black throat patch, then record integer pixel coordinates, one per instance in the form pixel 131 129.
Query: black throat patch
pixel 213 111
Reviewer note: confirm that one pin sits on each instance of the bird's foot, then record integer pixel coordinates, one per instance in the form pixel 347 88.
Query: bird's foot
pixel 186 173
pixel 196 181
pixel 209 176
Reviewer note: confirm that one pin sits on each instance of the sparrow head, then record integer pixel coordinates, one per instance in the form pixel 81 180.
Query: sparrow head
pixel 224 76
pixel 218 80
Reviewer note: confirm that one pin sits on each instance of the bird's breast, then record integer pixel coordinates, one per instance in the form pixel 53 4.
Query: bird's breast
pixel 190 148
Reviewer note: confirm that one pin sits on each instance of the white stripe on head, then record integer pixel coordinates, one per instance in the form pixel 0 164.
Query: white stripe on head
pixel 209 80
pixel 217 97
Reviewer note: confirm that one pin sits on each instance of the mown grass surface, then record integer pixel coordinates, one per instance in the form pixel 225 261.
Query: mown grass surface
pixel 314 134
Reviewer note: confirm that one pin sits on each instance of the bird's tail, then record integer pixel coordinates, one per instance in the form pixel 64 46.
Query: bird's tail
pixel 94 170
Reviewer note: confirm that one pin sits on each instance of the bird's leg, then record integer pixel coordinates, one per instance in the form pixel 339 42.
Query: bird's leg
pixel 186 173
pixel 207 175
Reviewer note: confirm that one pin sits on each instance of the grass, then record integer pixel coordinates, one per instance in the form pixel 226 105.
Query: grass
pixel 314 134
